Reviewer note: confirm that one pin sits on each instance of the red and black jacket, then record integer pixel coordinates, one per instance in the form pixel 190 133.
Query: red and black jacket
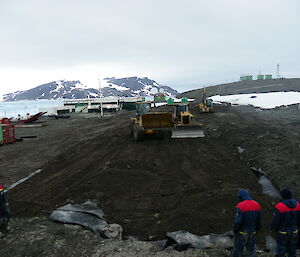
pixel 286 216
pixel 247 216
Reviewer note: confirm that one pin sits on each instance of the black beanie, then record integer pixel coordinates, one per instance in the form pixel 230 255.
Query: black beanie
pixel 286 194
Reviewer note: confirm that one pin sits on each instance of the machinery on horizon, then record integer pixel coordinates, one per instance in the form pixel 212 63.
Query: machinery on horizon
pixel 205 105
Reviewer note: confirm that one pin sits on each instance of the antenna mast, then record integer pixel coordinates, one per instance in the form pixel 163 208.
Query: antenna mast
pixel 99 85
pixel 101 106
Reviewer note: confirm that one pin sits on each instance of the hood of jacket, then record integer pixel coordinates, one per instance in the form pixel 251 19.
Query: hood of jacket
pixel 244 195
pixel 291 203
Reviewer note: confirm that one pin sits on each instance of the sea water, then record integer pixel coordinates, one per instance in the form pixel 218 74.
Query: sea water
pixel 23 108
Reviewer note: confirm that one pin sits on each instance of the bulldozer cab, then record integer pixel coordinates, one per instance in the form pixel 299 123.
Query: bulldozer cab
pixel 184 123
pixel 142 108
pixel 180 109
pixel 209 103
pixel 181 114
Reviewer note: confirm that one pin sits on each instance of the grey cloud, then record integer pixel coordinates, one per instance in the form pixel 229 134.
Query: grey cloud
pixel 173 40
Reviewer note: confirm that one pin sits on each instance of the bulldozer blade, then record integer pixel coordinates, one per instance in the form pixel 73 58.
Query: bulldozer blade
pixel 187 132
pixel 158 120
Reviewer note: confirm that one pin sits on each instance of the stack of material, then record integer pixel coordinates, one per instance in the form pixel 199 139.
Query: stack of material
pixel 7 133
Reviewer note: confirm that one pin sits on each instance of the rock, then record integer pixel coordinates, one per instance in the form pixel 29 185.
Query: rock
pixel 240 149
pixel 112 231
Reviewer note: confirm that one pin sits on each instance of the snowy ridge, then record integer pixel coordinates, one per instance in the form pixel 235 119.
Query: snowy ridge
pixel 133 87
pixel 262 100
pixel 123 87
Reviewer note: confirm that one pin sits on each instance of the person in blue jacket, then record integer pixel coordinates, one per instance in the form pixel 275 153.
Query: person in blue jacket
pixel 5 213
pixel 247 222
pixel 286 223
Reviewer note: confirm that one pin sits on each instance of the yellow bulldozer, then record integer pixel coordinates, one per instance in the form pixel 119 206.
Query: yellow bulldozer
pixel 184 125
pixel 148 122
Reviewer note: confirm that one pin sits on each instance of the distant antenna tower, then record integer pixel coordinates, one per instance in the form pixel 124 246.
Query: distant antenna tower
pixel 99 85
pixel 278 71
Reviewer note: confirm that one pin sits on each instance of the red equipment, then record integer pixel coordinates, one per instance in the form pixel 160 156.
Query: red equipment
pixel 8 131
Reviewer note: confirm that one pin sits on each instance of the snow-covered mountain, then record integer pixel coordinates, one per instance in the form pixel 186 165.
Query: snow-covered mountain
pixel 132 86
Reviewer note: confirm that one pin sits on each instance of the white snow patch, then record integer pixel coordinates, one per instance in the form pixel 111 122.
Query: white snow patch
pixel 158 104
pixel 104 83
pixel 262 100
pixel 58 87
pixel 94 94
pixel 119 88
pixel 80 86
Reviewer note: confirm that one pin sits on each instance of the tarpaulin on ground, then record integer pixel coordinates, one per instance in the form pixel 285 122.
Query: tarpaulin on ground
pixel 182 240
pixel 88 215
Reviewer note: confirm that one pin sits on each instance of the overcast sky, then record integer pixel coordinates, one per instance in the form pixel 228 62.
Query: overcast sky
pixel 184 44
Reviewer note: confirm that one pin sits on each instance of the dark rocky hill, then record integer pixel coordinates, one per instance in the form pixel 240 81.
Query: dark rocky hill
pixel 246 87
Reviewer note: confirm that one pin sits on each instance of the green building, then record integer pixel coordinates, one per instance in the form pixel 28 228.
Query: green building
pixel 260 77
pixel 249 77
pixel 268 76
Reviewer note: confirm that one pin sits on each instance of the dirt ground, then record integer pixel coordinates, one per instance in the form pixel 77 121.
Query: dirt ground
pixel 150 187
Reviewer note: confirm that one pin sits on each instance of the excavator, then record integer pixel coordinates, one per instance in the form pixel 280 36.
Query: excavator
pixel 206 105
pixel 183 120
pixel 148 122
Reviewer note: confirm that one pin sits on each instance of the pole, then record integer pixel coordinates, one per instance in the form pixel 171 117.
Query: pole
pixel 100 93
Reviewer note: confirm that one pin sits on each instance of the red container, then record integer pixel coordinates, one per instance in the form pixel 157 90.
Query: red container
pixel 5 121
pixel 8 133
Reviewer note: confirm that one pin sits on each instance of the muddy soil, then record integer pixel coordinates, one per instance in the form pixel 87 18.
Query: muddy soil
pixel 153 186
pixel 270 140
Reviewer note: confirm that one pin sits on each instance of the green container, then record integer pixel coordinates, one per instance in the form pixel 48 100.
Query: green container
pixel 246 78
pixel 159 98
pixel 268 76
pixel 184 100
pixel 260 77
pixel 129 106
pixel 170 101
pixel 80 107
pixel 65 111
pixel 1 135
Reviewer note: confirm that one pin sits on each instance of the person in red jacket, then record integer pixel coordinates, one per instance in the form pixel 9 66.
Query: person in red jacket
pixel 5 213
pixel 286 223
pixel 247 222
